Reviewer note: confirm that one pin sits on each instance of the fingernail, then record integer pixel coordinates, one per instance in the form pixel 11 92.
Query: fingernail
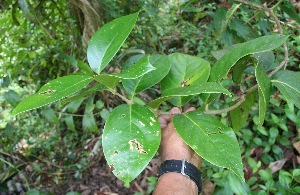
pixel 175 110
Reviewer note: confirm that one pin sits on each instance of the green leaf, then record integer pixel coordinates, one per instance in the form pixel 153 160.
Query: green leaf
pixel 208 87
pixel 239 115
pixel 88 120
pixel 239 68
pixel 70 122
pixel 210 139
pixel 131 137
pixel 140 68
pixel 53 91
pixel 12 98
pixel 50 115
pixel 162 65
pixel 265 43
pixel 77 63
pixel 107 41
pixel 290 10
pixel 96 87
pixel 264 87
pixel 288 83
pixel 185 70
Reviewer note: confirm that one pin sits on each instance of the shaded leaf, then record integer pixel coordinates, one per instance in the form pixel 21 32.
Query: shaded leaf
pixel 107 41
pixel 162 66
pixel 53 91
pixel 210 139
pixel 109 80
pixel 131 137
pixel 288 83
pixel 77 63
pixel 264 87
pixel 185 70
pixel 88 120
pixel 290 10
pixel 208 87
pixel 239 68
pixel 70 122
pixel 50 115
pixel 223 65
pixel 12 98
pixel 239 115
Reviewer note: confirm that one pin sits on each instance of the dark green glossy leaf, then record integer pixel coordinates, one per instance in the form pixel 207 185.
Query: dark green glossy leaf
pixel 131 137
pixel 264 87
pixel 140 68
pixel 162 65
pixel 239 115
pixel 211 139
pixel 288 83
pixel 53 91
pixel 208 87
pixel 185 70
pixel 107 41
pixel 223 65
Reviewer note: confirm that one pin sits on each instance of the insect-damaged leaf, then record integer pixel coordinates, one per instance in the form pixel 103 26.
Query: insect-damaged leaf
pixel 185 71
pixel 131 137
pixel 210 139
pixel 107 41
pixel 53 91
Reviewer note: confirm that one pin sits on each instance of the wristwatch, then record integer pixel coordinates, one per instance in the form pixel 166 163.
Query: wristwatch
pixel 185 168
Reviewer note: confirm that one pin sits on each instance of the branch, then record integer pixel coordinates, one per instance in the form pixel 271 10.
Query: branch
pixel 121 96
pixel 242 99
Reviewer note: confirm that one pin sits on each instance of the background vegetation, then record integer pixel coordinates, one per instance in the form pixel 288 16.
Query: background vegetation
pixel 55 143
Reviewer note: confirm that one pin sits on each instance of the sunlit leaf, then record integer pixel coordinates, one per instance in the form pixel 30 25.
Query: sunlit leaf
pixel 288 83
pixel 53 91
pixel 131 137
pixel 185 70
pixel 210 139
pixel 264 87
pixel 162 65
pixel 107 41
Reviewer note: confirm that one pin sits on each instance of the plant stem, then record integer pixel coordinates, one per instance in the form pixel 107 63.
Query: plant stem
pixel 121 96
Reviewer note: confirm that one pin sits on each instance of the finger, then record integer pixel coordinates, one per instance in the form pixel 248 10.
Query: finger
pixel 162 122
pixel 190 109
pixel 175 110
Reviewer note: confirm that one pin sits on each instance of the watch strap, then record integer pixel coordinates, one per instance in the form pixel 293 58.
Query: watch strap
pixel 183 167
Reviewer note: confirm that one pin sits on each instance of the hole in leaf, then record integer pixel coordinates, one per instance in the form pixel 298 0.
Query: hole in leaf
pixel 136 145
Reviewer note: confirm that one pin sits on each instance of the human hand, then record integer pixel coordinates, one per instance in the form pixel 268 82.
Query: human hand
pixel 172 147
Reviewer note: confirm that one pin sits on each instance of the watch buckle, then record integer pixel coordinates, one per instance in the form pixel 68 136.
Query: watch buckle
pixel 183 167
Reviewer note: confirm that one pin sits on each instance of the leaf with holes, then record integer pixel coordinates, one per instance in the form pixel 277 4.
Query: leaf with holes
pixel 264 87
pixel 288 83
pixel 107 41
pixel 130 139
pixel 210 139
pixel 54 91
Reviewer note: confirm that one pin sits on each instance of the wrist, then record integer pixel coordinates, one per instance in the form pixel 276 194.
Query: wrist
pixel 193 160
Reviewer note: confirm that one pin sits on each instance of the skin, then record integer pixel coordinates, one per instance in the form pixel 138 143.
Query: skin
pixel 172 147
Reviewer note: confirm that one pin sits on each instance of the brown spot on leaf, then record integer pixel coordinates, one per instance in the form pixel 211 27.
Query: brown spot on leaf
pixel 136 145
pixel 47 92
